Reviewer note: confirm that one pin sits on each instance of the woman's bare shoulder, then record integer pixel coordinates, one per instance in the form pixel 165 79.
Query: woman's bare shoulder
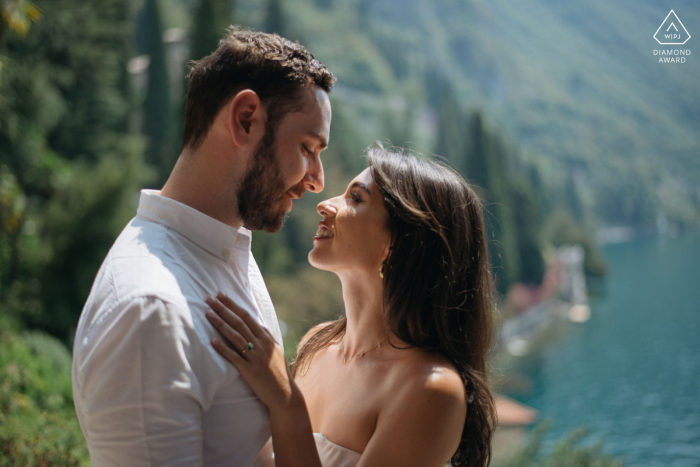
pixel 423 374
pixel 423 410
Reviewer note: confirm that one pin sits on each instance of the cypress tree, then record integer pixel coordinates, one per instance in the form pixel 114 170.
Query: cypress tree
pixel 450 139
pixel 487 167
pixel 274 18
pixel 527 215
pixel 156 106
pixel 211 18
pixel 573 199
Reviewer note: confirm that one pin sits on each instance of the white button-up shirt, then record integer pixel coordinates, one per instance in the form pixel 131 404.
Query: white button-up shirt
pixel 149 388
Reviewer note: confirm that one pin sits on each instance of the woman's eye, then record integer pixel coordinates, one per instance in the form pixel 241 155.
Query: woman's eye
pixel 354 196
pixel 308 151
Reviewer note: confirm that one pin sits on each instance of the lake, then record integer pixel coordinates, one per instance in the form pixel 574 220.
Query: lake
pixel 631 374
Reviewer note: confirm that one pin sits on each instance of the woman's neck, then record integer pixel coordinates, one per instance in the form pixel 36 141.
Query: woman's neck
pixel 366 326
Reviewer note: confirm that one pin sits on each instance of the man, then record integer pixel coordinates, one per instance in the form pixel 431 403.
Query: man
pixel 149 388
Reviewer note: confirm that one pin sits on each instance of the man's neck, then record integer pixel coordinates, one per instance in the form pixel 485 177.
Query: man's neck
pixel 199 184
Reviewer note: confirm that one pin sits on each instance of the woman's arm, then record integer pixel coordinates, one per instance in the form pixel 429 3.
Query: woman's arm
pixel 261 362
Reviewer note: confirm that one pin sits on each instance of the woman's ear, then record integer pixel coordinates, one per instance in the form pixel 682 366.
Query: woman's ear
pixel 246 118
pixel 387 250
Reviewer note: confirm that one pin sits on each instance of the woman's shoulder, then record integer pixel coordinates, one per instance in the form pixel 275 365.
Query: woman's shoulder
pixel 426 402
pixel 423 374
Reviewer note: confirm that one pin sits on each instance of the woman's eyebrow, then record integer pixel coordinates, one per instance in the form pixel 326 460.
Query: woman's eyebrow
pixel 361 186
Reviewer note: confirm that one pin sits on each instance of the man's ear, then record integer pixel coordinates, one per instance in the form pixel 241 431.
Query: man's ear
pixel 246 122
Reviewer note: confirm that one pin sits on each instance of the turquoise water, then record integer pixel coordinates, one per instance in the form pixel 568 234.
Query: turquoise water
pixel 632 373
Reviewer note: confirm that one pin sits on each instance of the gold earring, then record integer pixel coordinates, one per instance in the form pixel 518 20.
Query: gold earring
pixel 381 269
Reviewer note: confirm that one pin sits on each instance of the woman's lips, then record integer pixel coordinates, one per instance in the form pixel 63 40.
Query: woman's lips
pixel 323 232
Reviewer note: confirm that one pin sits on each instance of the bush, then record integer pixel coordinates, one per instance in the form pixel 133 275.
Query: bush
pixel 566 452
pixel 38 424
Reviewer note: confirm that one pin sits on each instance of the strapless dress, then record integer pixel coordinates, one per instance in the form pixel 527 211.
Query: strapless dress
pixel 331 454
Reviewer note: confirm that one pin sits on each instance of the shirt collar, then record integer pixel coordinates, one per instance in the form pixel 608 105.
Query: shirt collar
pixel 214 236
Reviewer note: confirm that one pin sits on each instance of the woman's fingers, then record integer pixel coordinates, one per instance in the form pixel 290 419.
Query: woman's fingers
pixel 230 355
pixel 230 317
pixel 250 322
pixel 230 334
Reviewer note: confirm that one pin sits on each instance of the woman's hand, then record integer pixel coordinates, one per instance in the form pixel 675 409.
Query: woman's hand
pixel 263 364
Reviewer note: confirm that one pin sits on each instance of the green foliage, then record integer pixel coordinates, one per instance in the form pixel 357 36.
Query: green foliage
pixel 38 425
pixel 562 229
pixel 17 15
pixel 211 18
pixel 83 219
pixel 527 216
pixel 303 300
pixel 489 166
pixel 567 452
pixel 274 19
pixel 210 21
pixel 157 113
pixel 69 167
pixel 451 135
pixel 577 104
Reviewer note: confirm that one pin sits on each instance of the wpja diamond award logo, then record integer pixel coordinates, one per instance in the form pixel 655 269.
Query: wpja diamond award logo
pixel 672 32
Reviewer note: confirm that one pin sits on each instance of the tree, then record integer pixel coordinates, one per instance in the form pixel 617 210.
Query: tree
pixel 573 199
pixel 274 18
pixel 17 15
pixel 157 114
pixel 528 219
pixel 450 138
pixel 211 18
pixel 487 162
pixel 67 159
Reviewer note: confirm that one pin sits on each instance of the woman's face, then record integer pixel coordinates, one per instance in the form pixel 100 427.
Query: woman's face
pixel 353 235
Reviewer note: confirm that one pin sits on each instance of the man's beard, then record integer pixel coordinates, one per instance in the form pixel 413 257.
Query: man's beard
pixel 262 191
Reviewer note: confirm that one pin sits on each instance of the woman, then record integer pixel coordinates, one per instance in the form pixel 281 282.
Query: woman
pixel 401 380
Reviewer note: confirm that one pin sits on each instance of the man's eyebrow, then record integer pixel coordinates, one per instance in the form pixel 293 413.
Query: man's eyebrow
pixel 361 186
pixel 322 140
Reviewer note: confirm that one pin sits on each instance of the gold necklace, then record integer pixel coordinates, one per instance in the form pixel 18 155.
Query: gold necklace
pixel 361 354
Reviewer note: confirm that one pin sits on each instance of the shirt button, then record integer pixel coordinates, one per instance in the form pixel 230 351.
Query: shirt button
pixel 225 253
pixel 246 284
pixel 238 239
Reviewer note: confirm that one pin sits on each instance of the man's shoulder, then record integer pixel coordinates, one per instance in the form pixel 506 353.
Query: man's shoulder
pixel 138 262
pixel 140 238
pixel 135 268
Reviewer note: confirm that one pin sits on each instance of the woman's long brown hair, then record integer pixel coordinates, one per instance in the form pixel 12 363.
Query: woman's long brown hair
pixel 438 288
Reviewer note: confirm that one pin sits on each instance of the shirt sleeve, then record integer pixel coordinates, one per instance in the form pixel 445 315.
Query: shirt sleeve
pixel 141 396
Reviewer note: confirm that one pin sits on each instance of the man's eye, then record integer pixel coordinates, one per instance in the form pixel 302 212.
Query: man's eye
pixel 309 152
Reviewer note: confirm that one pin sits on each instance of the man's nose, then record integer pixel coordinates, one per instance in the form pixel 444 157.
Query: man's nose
pixel 313 180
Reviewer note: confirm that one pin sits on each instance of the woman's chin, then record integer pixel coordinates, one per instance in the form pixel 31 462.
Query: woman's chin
pixel 317 262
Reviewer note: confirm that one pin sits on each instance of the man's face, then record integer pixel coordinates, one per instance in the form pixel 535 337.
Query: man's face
pixel 283 168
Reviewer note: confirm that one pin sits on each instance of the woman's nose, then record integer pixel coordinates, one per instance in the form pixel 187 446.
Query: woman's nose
pixel 326 208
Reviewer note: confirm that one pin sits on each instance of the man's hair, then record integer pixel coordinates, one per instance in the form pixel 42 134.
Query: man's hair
pixel 272 66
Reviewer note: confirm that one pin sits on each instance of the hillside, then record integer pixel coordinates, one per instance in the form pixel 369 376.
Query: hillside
pixel 575 85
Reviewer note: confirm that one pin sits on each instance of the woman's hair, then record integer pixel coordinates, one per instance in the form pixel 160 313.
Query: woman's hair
pixel 437 290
